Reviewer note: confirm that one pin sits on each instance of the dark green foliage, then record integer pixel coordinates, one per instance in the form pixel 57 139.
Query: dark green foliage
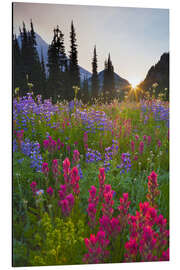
pixel 74 75
pixel 108 83
pixel 26 63
pixel 94 78
pixel 17 66
pixel 57 66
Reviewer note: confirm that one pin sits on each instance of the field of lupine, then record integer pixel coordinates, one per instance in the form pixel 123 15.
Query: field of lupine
pixel 90 183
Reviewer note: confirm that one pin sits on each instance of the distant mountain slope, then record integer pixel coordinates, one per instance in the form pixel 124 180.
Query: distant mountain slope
pixel 158 73
pixel 120 83
pixel 42 45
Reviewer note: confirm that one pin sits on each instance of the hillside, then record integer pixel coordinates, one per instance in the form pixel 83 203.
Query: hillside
pixel 159 73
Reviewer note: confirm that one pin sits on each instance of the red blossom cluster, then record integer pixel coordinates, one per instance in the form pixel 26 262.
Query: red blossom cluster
pixel 51 145
pixel 66 201
pixel 148 236
pixel 71 179
pixel 93 201
pixel 108 201
pixel 96 245
pixel 101 182
pixel 123 211
pixel 153 191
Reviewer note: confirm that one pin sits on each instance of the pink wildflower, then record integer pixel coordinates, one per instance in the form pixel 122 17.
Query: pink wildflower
pixel 45 168
pixel 132 146
pixel 141 147
pixel 50 191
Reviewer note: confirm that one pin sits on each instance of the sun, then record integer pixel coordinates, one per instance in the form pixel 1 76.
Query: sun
pixel 134 82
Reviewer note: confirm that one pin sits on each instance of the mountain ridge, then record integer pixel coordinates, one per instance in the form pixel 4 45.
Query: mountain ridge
pixel 158 73
pixel 43 45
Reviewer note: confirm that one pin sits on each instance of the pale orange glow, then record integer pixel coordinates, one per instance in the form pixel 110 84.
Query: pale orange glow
pixel 134 82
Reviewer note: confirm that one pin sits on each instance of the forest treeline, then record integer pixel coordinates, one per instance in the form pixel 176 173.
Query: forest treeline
pixel 63 73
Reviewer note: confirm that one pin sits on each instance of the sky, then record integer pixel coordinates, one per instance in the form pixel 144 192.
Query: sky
pixel 134 37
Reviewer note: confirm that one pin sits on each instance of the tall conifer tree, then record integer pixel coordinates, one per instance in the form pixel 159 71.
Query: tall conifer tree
pixel 94 78
pixel 108 82
pixel 17 66
pixel 57 65
pixel 34 62
pixel 74 75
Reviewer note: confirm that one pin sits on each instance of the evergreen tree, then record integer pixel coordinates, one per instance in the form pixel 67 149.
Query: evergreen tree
pixel 31 66
pixel 111 77
pixel 94 79
pixel 57 65
pixel 24 56
pixel 74 75
pixel 17 66
pixel 105 81
pixel 109 81
pixel 34 62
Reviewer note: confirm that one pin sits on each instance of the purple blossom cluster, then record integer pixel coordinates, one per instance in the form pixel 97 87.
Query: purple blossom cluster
pixel 94 120
pixel 93 156
pixel 125 165
pixel 159 109
pixel 109 153
pixel 26 108
pixel 32 150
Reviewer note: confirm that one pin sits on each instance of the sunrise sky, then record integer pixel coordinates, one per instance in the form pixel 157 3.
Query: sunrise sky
pixel 135 37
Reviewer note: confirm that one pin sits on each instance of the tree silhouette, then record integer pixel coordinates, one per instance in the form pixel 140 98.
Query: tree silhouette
pixel 74 75
pixel 108 82
pixel 94 78
pixel 57 66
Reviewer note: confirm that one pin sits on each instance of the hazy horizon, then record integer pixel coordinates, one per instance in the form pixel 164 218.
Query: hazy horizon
pixel 135 37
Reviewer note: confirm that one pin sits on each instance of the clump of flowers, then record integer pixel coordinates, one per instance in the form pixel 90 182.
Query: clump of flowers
pixel 66 203
pixel 76 156
pixel 108 201
pixel 45 168
pixel 110 226
pixel 67 171
pixel 71 179
pixel 132 146
pixel 153 191
pixel 93 156
pixel 20 135
pixel 123 211
pixel 50 191
pixel 55 169
pixel 50 144
pixel 141 147
pixel 148 235
pixel 96 245
pixel 93 201
pixel 85 138
pixel 101 182
pixel 33 186
pixel 125 165
pixel 75 180
pixel 109 153
pixel 148 140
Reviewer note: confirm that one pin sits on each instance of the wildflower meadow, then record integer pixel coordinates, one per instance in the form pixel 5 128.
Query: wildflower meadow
pixel 90 182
